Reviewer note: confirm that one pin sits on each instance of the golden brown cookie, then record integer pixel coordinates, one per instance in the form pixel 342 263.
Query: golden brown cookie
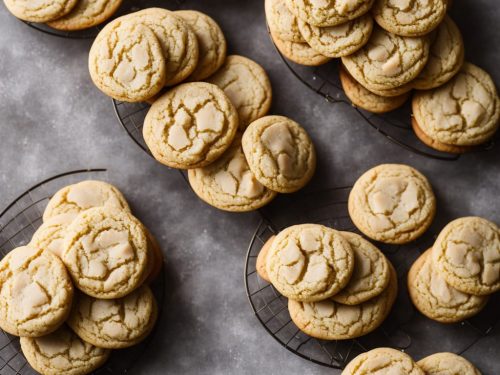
pixel 282 22
pixel 383 361
pixel 453 149
pixel 260 264
pixel 299 53
pixel 41 10
pixel 447 364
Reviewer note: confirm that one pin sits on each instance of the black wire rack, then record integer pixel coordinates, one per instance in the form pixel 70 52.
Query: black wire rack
pixel 18 222
pixel 405 328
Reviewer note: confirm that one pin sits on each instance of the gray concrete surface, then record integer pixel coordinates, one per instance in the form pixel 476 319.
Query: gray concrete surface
pixel 52 119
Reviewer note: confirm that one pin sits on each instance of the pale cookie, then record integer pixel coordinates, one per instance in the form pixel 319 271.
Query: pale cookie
pixel 117 323
pixel 392 203
pixel 211 43
pixel 299 53
pixel 340 40
pixel 367 100
pixel 446 57
pixel 62 352
pixel 463 112
pixel 371 272
pixel 437 300
pixel 50 235
pixel 280 153
pixel 409 17
pixel 73 199
pixel 394 92
pixel 447 364
pixel 190 126
pixel 282 22
pixel 86 14
pixel 467 255
pixel 382 361
pixel 229 184
pixel 260 264
pixel 309 262
pixel 453 149
pixel 35 292
pixel 106 252
pixel 177 39
pixel 248 87
pixel 41 10
pixel 328 12
pixel 330 320
pixel 388 61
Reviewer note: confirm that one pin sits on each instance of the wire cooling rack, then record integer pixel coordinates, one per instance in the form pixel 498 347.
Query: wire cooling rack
pixel 18 222
pixel 405 328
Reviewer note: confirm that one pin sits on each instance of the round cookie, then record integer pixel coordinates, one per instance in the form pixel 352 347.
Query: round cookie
pixel 329 12
pixel 392 203
pixel 367 100
pixel 41 10
pixel 463 112
pixel 178 41
pixel 190 126
pixel 35 292
pixel 437 300
pixel 453 149
pixel 382 361
pixel 85 14
pixel 447 364
pixel 50 235
pixel 211 43
pixel 106 252
pixel 282 22
pixel 409 18
pixel 467 255
pixel 371 272
pixel 387 61
pixel 299 53
pixel 309 262
pixel 62 352
pixel 117 323
pixel 340 40
pixel 260 264
pixel 247 85
pixel 228 183
pixel 280 153
pixel 330 320
pixel 73 199
pixel 446 57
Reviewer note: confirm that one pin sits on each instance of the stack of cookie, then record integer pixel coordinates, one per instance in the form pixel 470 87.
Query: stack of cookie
pixel 67 15
pixel 91 241
pixel 452 281
pixel 339 286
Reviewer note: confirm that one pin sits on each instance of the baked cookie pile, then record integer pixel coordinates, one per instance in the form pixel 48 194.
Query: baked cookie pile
pixel 452 281
pixel 339 286
pixel 90 241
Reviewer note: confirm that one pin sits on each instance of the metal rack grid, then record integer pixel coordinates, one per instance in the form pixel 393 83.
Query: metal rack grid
pixel 18 222
pixel 405 328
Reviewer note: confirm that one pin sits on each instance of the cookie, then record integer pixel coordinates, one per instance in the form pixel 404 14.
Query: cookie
pixel 437 300
pixel 106 252
pixel 190 126
pixel 409 18
pixel 62 352
pixel 330 320
pixel 282 22
pixel 35 292
pixel 178 41
pixel 50 235
pixel 299 53
pixel 155 256
pixel 371 272
pixel 309 262
pixel 73 199
pixel 382 361
pixel 260 264
pixel 387 61
pixel 229 184
pixel 392 203
pixel 247 85
pixel 463 112
pixel 116 323
pixel 40 11
pixel 280 153
pixel 367 100
pixel 446 57
pixel 467 254
pixel 447 364
pixel 340 40
pixel 211 43
pixel 86 14
pixel 329 12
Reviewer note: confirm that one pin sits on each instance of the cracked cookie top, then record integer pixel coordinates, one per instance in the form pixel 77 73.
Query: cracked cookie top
pixel 382 361
pixel 41 10
pixel 282 22
pixel 50 235
pixel 447 364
